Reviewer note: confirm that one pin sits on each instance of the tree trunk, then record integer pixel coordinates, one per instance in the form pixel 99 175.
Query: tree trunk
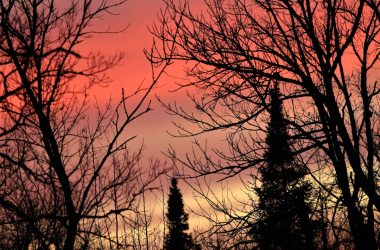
pixel 71 234
pixel 363 239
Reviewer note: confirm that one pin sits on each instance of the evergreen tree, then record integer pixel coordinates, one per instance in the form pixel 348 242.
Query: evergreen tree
pixel 177 238
pixel 283 211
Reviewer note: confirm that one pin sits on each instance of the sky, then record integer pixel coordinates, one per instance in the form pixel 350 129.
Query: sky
pixel 137 16
pixel 151 129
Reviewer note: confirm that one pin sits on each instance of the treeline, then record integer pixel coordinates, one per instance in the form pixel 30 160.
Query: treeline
pixel 322 56
pixel 292 84
pixel 68 179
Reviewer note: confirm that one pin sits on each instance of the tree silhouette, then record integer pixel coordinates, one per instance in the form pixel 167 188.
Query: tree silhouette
pixel 283 213
pixel 324 55
pixel 67 174
pixel 177 238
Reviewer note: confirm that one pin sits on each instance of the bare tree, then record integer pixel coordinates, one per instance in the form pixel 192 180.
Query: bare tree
pixel 323 55
pixel 66 171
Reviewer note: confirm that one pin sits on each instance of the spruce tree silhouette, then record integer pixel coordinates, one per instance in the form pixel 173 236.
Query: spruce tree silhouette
pixel 283 211
pixel 177 238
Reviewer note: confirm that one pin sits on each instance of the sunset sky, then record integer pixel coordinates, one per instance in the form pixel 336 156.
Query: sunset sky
pixel 138 15
pixel 151 129
pixel 266 114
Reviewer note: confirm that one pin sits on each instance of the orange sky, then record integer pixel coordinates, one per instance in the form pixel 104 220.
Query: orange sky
pixel 139 15
pixel 151 128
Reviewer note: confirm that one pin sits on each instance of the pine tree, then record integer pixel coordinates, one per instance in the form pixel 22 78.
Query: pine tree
pixel 177 222
pixel 283 211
